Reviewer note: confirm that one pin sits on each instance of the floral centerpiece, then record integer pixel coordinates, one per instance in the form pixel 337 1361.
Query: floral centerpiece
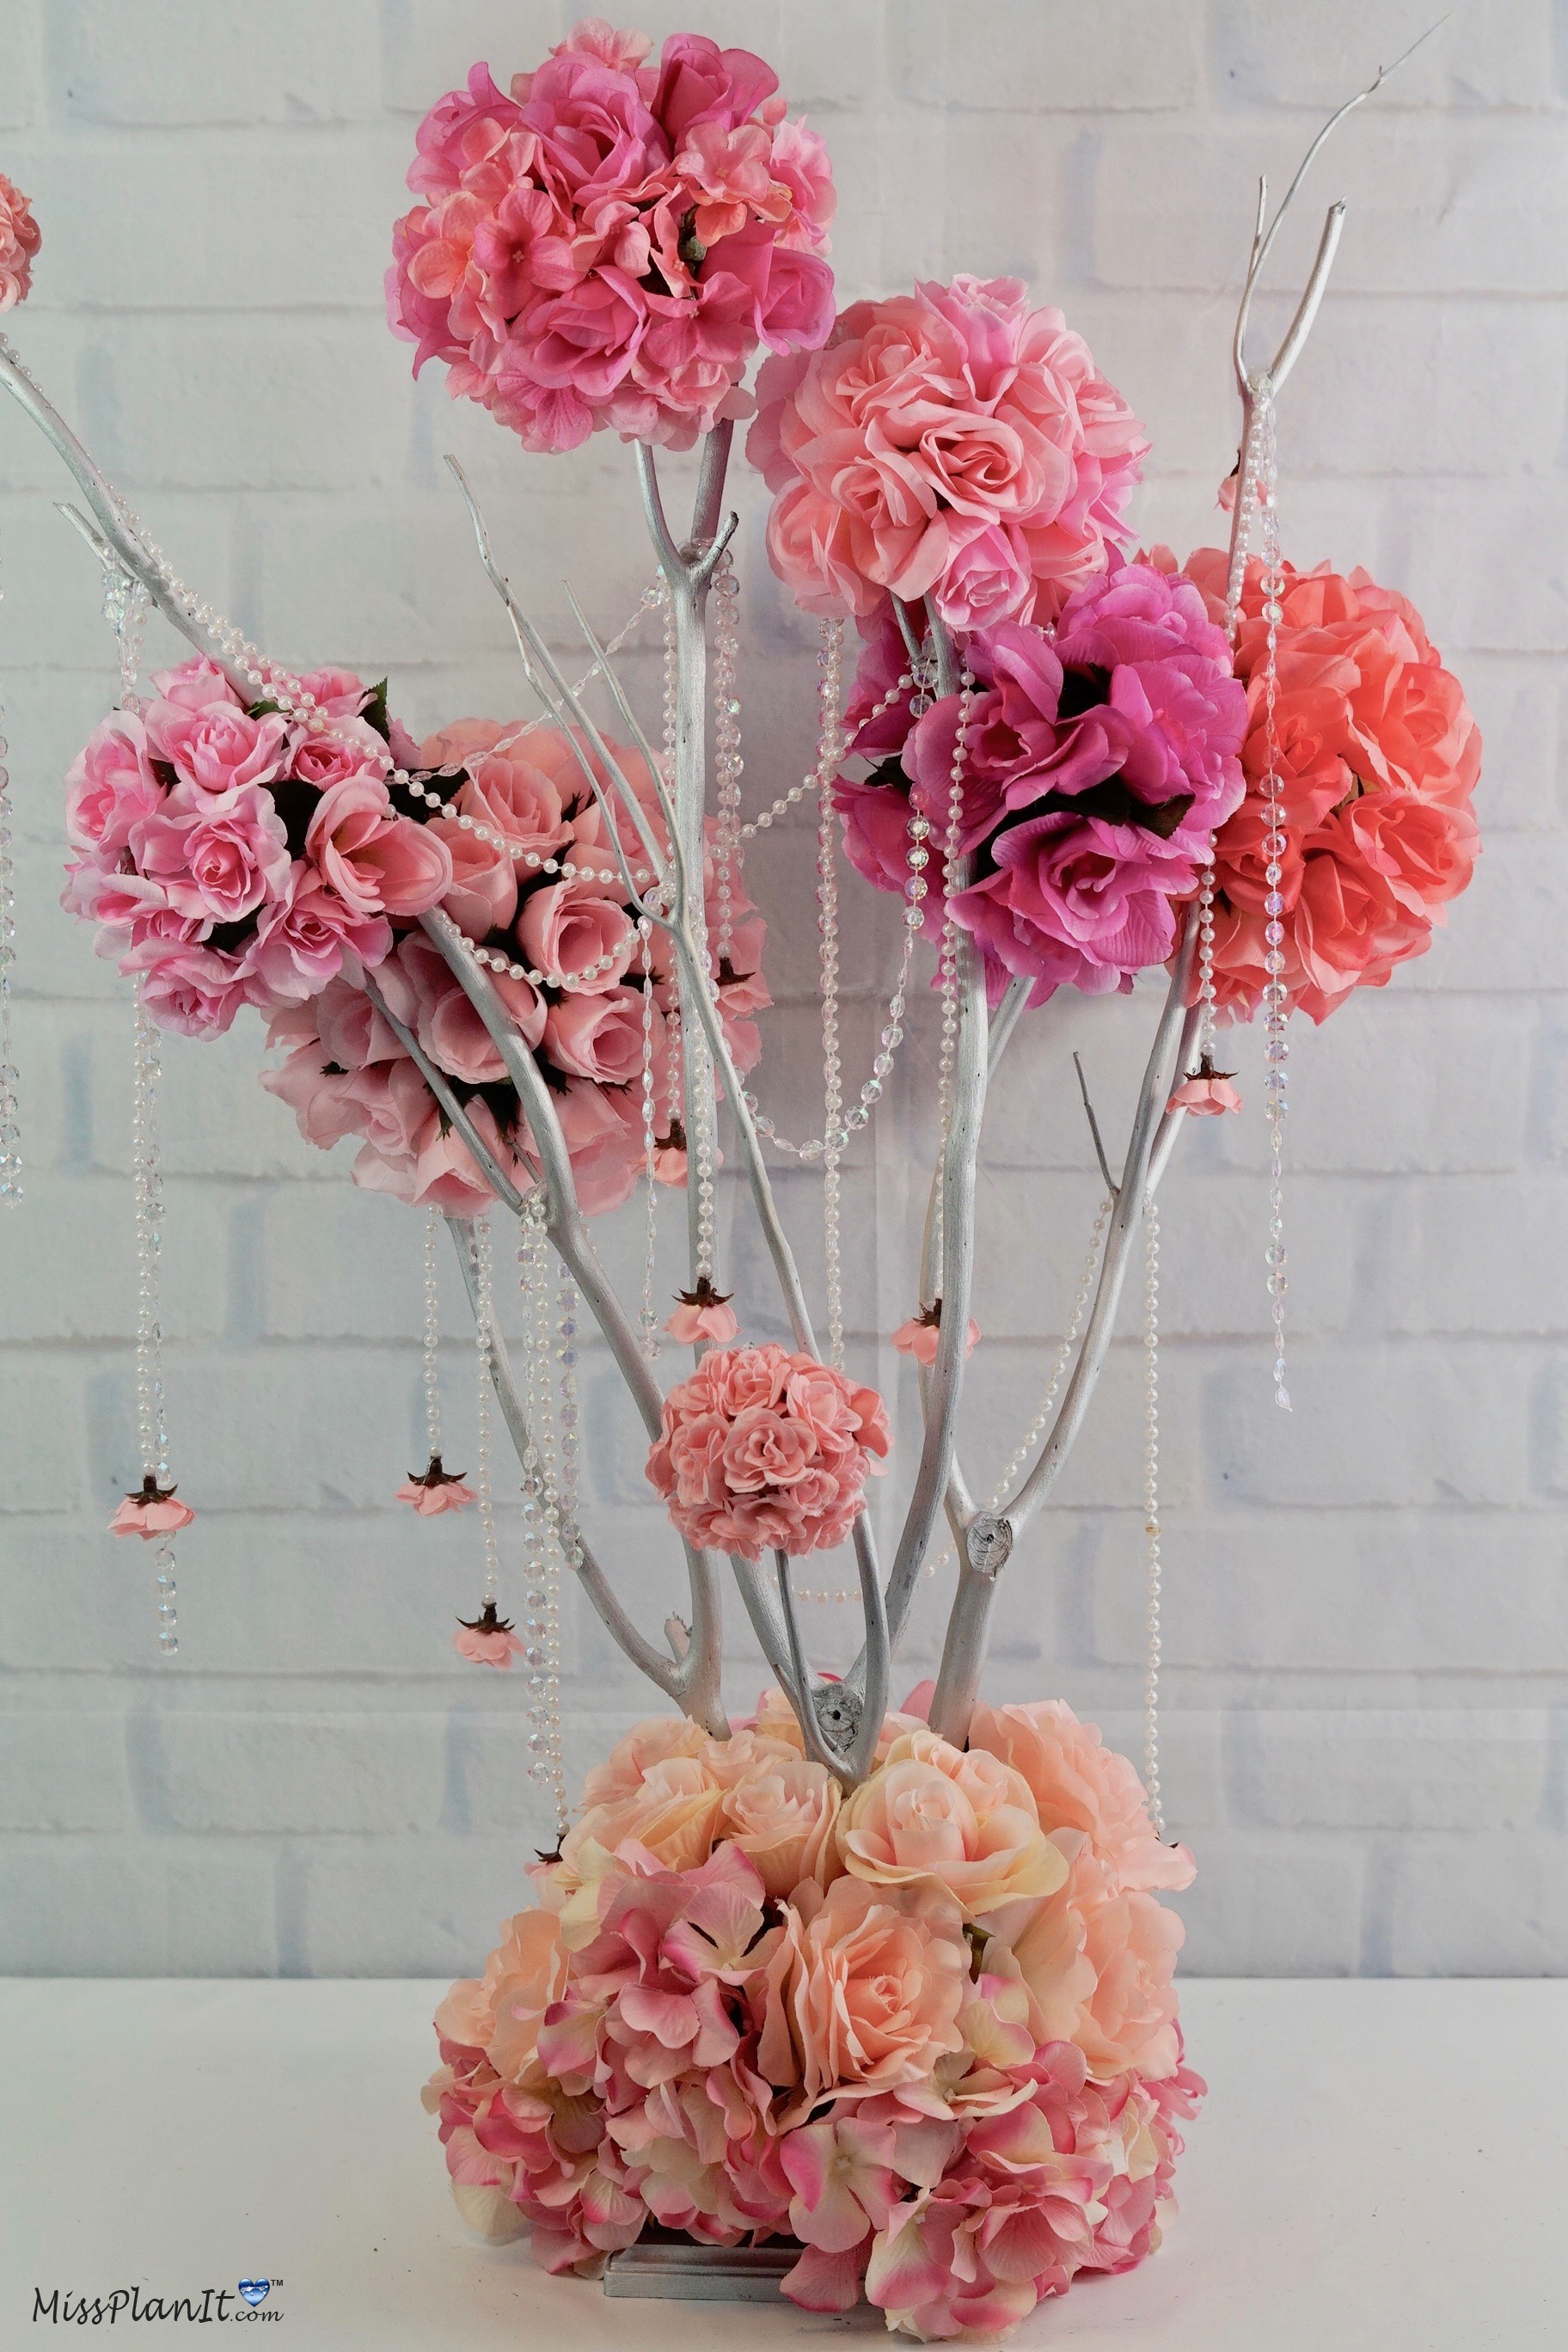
pixel 876 2003
pixel 926 2032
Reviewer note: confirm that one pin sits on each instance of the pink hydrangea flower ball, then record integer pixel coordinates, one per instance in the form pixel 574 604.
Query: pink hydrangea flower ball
pixel 954 442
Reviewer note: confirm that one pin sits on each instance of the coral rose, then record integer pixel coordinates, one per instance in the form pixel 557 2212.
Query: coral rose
pixel 672 1813
pixel 967 1823
pixel 864 1991
pixel 782 1813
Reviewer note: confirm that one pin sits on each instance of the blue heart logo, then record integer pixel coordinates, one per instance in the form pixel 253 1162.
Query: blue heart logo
pixel 255 2291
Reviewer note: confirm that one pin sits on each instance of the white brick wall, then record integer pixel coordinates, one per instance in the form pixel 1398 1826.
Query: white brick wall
pixel 1367 1620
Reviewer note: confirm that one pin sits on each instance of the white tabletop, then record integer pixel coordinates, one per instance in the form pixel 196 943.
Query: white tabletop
pixel 1380 2167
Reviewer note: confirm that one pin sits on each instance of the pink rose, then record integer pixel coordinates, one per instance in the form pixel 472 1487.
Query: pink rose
pixel 111 785
pixel 483 896
pixel 353 749
pixel 377 863
pixel 626 1767
pixel 864 1991
pixel 521 792
pixel 220 860
pixel 216 748
pixel 194 990
pixel 195 685
pixel 578 938
pixel 308 938
pixel 966 1821
pixel 600 1037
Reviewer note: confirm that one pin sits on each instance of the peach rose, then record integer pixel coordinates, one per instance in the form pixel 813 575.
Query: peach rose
pixel 864 1991
pixel 672 1811
pixel 782 1814
pixel 501 2013
pixel 626 1767
pixel 1099 1962
pixel 966 1821
pixel 1078 1783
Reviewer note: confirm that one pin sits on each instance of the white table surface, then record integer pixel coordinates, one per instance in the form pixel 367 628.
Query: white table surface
pixel 1379 2168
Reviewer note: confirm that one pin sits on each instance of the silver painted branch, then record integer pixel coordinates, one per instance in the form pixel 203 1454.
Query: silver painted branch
pixel 990 1539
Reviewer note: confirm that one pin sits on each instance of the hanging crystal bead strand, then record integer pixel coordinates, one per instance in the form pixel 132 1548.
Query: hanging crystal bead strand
pixel 542 1510
pixel 1152 1512
pixel 947 963
pixel 648 1316
pixel 1276 1000
pixel 151 1415
pixel 829 665
pixel 432 1349
pixel 728 764
pixel 484 1346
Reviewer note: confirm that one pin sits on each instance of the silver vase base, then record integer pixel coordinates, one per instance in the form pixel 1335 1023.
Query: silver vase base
pixel 687 2273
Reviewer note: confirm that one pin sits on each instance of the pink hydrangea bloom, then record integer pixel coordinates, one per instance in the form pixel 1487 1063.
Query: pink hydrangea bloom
pixel 20 237
pixel 953 442
pixel 765 1450
pixel 607 244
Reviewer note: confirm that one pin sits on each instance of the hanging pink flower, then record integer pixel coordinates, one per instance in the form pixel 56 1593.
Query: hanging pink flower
pixel 20 237
pixel 607 244
pixel 702 1313
pixel 487 1639
pixel 951 442
pixel 1207 1094
pixel 917 1338
pixel 436 1489
pixel 765 1450
pixel 1378 758
pixel 152 1511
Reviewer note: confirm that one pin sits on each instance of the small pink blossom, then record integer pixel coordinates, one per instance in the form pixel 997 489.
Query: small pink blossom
pixel 153 1511
pixel 434 1490
pixel 487 1639
pixel 1207 1094
pixel 702 1314
pixel 918 1336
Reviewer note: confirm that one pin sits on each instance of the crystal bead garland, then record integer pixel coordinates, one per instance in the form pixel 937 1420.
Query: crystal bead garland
pixel 431 1370
pixel 152 1417
pixel 541 1514
pixel 1151 1511
pixel 728 764
pixel 1276 1003
pixel 484 1349
pixel 947 962
pixel 829 755
pixel 829 664
pixel 648 1314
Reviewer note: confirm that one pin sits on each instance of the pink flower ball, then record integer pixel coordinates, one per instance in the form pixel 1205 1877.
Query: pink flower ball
pixel 1379 756
pixel 951 442
pixel 762 1450
pixel 20 237
pixel 606 243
